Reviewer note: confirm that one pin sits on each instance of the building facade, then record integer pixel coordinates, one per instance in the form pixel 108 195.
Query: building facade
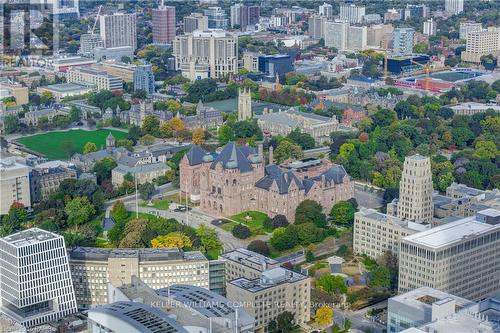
pixel 244 104
pixel 100 79
pixel 316 26
pixel 204 54
pixel 247 264
pixel 35 279
pixel 403 41
pixel 454 7
pixel 93 268
pixel 195 21
pixel 163 19
pixel 244 16
pixel 118 30
pixel 430 27
pixel 326 10
pixel 479 43
pixel 336 35
pixel 466 27
pixel 352 13
pixel 45 178
pixel 88 42
pixel 217 18
pixel 14 185
pixel 144 79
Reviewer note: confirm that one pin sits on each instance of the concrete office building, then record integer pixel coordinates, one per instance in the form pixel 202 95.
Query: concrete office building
pixel 413 11
pixel 245 263
pixel 93 268
pixel 479 43
pixel 378 35
pixel 415 190
pixel 204 54
pixel 14 185
pixel 35 280
pixel 100 79
pixel 326 10
pixel 118 30
pixel 120 69
pixel 352 13
pixel 275 291
pixel 195 21
pixel 454 7
pixel 403 41
pixel 336 35
pixel 357 38
pixel 460 257
pixel 466 27
pixel 421 306
pixel 461 322
pixel 376 233
pixel 216 18
pixel 163 20
pixel 275 65
pixel 244 16
pixel 88 42
pixel 144 79
pixel 316 26
pixel 430 27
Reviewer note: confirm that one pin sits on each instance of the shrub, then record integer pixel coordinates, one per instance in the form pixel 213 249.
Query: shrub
pixel 241 231
pixel 259 246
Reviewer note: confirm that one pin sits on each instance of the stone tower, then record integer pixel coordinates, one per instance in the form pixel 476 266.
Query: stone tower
pixel 244 104
pixel 110 141
pixel 415 190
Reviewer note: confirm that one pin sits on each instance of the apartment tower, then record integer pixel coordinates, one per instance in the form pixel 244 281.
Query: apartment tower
pixel 163 24
pixel 118 30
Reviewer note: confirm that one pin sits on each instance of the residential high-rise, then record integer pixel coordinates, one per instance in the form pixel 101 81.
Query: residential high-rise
pixel 454 7
pixel 244 104
pixel 357 38
pixel 144 79
pixel 479 43
pixel 336 35
pixel 195 21
pixel 216 18
pixel 375 34
pixel 35 280
pixel 352 13
pixel 326 10
pixel 466 27
pixel 203 54
pixel 461 257
pixel 413 11
pixel 403 41
pixel 392 15
pixel 14 185
pixel 243 16
pixel 163 19
pixel 316 25
pixel 415 190
pixel 88 42
pixel 429 28
pixel 118 30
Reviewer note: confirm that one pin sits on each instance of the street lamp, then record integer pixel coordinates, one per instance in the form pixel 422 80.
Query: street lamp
pixel 136 192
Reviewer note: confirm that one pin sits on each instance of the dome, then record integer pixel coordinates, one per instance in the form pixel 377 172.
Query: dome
pixel 231 165
pixel 255 159
pixel 208 158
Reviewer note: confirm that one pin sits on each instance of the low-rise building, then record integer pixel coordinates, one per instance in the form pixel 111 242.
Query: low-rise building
pixel 85 162
pixel 93 268
pixel 206 117
pixel 122 70
pixel 471 108
pixel 247 264
pixel 62 90
pixel 35 115
pixel 45 178
pixel 144 172
pixel 100 79
pixel 277 290
pixel 19 92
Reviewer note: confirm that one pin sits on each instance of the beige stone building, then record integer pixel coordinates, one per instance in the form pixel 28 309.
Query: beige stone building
pixel 121 70
pixel 479 43
pixel 276 290
pixel 93 268
pixel 145 172
pixel 14 185
pixel 461 257
pixel 236 180
pixel 17 91
pixel 247 264
pixel 244 104
pixel 100 79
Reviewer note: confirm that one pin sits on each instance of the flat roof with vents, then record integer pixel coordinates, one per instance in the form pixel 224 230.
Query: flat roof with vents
pixel 29 237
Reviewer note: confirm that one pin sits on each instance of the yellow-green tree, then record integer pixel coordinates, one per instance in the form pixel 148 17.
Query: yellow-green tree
pixel 89 147
pixel 173 239
pixel 324 316
pixel 199 136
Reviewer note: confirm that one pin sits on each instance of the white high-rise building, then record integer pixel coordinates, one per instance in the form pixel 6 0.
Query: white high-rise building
pixel 195 21
pixel 466 27
pixel 118 30
pixel 403 41
pixel 336 35
pixel 35 279
pixel 357 38
pixel 14 185
pixel 352 13
pixel 479 43
pixel 317 26
pixel 89 42
pixel 461 257
pixel 326 10
pixel 454 7
pixel 204 54
pixel 429 28
pixel 415 190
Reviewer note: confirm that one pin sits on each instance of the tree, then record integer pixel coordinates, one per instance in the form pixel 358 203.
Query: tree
pixel 68 148
pixel 225 134
pixel 310 211
pixel 151 126
pixel 140 94
pixel 146 190
pixel 285 322
pixel 380 278
pixel 103 168
pixel 11 124
pixel 343 213
pixel 208 238
pixel 462 136
pixel 485 149
pixel 147 140
pixel 241 231
pixel 199 136
pixel 119 212
pixel 304 140
pixel 332 284
pixel 279 221
pixel 324 316
pixel 284 238
pixel 89 147
pixel 286 149
pixel 133 234
pixel 171 240
pixel 79 211
pixel 125 143
pixel 259 246
pixel 134 133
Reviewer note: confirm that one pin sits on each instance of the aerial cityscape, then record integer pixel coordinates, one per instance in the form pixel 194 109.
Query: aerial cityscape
pixel 241 166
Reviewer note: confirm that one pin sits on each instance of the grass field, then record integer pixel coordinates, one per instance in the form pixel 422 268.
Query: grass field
pixel 51 144
pixel 161 204
pixel 255 223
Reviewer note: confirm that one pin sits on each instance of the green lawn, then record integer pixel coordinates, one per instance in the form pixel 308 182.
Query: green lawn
pixel 255 223
pixel 51 144
pixel 161 204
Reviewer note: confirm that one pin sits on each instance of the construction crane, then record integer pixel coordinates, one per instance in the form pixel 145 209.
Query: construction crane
pixel 91 31
pixel 427 71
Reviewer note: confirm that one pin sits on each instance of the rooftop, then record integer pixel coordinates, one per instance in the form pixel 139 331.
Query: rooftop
pixel 242 255
pixel 423 298
pixel 29 237
pixel 269 278
pixel 66 87
pixel 102 254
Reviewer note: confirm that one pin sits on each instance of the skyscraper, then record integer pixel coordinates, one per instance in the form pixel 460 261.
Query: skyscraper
pixel 326 10
pixel 352 13
pixel 357 38
pixel 216 18
pixel 35 279
pixel 317 26
pixel 454 7
pixel 144 79
pixel 429 27
pixel 336 35
pixel 163 24
pixel 415 190
pixel 243 16
pixel 118 30
pixel 403 41
pixel 195 21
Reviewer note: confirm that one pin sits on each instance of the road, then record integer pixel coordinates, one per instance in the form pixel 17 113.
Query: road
pixel 358 318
